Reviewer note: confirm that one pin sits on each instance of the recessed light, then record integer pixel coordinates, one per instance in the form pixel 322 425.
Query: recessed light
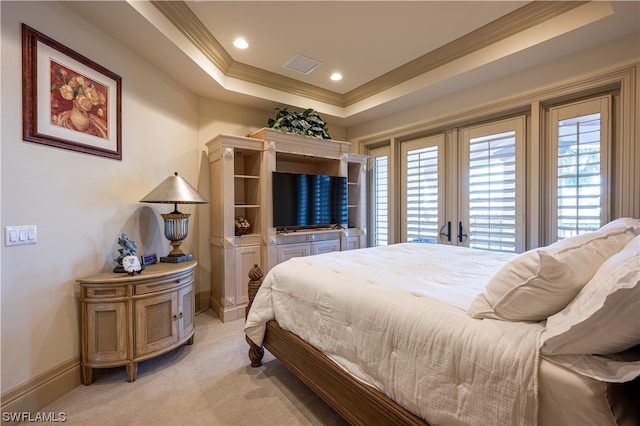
pixel 240 43
pixel 336 76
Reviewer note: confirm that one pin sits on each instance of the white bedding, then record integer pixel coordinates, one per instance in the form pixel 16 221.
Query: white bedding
pixel 430 357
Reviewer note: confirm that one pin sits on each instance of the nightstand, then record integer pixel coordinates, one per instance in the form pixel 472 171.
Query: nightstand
pixel 130 318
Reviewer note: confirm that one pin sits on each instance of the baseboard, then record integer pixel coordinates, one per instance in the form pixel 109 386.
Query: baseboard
pixel 228 314
pixel 203 300
pixel 40 391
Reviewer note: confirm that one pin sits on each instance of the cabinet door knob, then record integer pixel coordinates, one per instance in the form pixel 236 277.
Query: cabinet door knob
pixel 175 317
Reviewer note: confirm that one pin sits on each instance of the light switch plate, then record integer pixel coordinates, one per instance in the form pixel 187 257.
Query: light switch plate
pixel 19 235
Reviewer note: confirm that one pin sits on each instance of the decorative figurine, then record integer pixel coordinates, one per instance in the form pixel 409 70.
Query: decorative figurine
pixel 128 249
pixel 242 225
pixel 131 264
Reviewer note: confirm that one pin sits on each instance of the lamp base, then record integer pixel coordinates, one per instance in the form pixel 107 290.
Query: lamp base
pixel 176 259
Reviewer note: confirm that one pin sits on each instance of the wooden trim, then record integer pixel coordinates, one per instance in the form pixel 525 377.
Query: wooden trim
pixel 42 390
pixel 358 403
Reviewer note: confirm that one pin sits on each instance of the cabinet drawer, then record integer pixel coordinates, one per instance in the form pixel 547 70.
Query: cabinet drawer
pixel 287 251
pixel 105 292
pixel 163 284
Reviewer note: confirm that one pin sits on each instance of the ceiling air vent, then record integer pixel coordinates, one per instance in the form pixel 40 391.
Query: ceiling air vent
pixel 302 64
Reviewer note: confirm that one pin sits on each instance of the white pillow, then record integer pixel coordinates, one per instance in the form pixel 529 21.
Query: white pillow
pixel 540 282
pixel 604 318
pixel 623 223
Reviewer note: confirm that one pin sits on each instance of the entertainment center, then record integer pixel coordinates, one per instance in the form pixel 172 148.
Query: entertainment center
pixel 319 206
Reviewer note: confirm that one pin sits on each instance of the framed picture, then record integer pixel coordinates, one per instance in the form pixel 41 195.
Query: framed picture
pixel 69 101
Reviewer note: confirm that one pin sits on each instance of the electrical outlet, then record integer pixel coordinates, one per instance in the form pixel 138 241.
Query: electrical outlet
pixel 19 235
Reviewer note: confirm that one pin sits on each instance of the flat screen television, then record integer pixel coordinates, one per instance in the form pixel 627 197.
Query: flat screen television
pixel 308 200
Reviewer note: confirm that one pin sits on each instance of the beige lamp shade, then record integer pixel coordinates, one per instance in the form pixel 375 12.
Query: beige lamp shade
pixel 175 190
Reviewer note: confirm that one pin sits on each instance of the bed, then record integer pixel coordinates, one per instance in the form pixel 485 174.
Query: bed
pixel 435 334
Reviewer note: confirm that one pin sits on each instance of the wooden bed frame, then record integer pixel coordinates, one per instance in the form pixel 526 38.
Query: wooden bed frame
pixel 356 402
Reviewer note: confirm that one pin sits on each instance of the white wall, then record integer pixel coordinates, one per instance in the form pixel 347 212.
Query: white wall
pixel 80 203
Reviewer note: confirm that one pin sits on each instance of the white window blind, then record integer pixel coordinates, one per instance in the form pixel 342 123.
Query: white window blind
pixel 492 192
pixel 495 193
pixel 579 145
pixel 421 185
pixel 380 201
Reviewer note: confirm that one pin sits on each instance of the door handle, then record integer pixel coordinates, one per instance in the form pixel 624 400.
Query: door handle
pixel 448 233
pixel 461 235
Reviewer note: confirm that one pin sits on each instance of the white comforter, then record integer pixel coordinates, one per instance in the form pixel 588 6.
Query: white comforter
pixel 379 314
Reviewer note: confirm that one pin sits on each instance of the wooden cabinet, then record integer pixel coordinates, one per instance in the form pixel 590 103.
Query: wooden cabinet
pixel 241 170
pixel 127 319
pixel 237 186
pixel 357 201
pixel 300 244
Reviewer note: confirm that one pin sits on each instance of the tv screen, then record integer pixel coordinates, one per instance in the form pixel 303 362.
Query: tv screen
pixel 308 200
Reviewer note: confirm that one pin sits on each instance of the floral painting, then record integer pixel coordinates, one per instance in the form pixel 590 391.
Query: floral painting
pixel 77 102
pixel 68 100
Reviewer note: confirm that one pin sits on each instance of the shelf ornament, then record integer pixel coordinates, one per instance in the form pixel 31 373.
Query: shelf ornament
pixel 127 260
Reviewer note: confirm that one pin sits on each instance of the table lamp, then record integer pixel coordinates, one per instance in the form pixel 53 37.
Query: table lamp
pixel 175 190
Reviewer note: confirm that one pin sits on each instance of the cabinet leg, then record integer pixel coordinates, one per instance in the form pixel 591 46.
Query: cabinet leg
pixel 190 341
pixel 87 375
pixel 132 371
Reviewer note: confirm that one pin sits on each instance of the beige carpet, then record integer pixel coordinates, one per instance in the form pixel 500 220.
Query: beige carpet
pixel 207 383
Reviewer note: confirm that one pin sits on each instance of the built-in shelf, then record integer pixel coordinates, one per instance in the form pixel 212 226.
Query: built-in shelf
pixel 241 185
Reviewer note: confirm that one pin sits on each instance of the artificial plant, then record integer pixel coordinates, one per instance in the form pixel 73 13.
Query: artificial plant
pixel 307 123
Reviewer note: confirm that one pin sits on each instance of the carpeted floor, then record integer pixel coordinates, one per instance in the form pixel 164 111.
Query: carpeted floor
pixel 207 383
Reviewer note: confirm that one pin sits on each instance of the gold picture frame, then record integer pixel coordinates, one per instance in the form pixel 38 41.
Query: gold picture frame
pixel 68 100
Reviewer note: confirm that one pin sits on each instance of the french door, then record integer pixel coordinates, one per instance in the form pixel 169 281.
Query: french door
pixel 492 191
pixel 422 186
pixel 466 187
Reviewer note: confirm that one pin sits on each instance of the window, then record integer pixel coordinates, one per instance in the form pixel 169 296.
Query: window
pixel 379 227
pixel 579 152
pixel 422 189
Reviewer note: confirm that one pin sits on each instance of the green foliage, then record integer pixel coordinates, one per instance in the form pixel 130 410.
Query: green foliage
pixel 307 123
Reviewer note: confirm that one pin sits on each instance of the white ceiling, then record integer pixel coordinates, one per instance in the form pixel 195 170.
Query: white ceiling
pixel 393 54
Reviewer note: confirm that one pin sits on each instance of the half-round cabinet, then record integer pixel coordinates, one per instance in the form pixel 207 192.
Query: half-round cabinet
pixel 130 318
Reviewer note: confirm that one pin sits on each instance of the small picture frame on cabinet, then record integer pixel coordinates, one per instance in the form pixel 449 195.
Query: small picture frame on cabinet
pixel 149 259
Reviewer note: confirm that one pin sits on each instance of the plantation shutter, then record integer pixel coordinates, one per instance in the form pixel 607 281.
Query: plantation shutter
pixel 495 190
pixel 422 188
pixel 379 229
pixel 579 147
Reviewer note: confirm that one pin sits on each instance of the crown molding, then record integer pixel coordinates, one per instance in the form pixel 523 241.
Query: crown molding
pixel 526 17
pixel 181 16
pixel 279 82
